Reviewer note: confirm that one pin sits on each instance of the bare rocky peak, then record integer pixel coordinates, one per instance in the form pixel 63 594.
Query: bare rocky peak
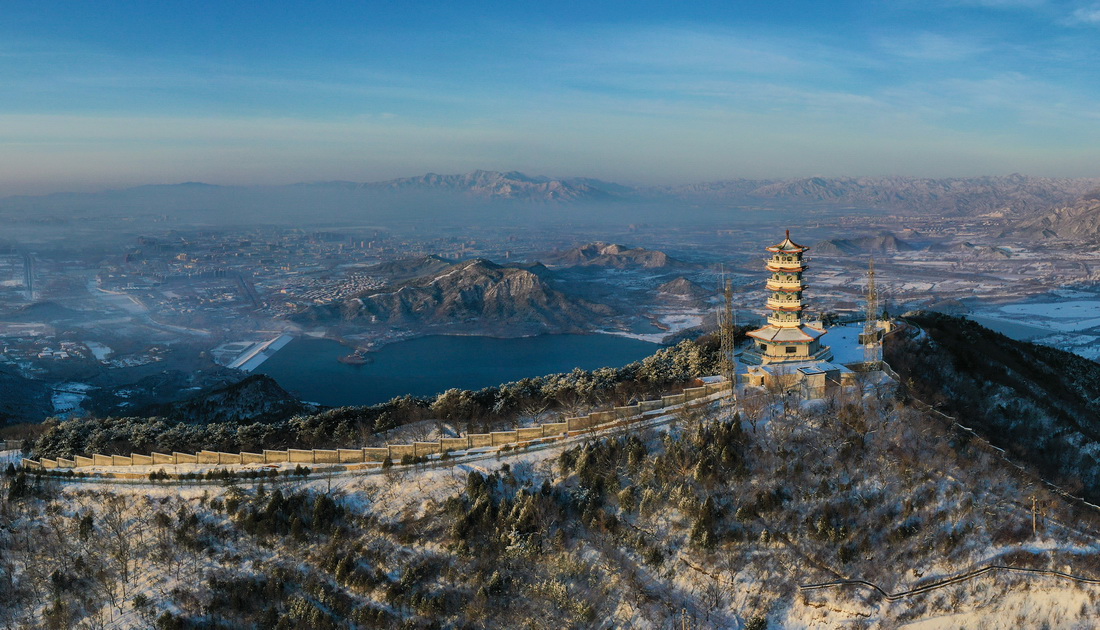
pixel 684 288
pixel 474 292
pixel 601 254
pixel 1079 221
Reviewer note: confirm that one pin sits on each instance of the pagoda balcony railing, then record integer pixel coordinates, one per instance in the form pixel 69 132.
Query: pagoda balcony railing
pixel 784 323
pixel 786 285
pixel 787 305
pixel 789 267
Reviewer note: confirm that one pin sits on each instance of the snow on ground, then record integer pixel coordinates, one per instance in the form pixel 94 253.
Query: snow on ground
pixel 673 321
pixel 1056 322
pixel 1073 309
pixel 10 457
pixel 844 340
pixel 67 397
pixel 100 351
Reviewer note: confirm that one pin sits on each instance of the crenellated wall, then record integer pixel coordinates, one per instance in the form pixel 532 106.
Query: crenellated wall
pixel 393 452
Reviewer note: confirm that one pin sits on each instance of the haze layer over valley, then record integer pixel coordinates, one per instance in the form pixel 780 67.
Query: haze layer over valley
pixel 108 297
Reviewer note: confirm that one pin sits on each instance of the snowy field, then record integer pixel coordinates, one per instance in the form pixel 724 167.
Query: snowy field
pixel 67 398
pixel 844 340
pixel 1068 319
pixel 674 321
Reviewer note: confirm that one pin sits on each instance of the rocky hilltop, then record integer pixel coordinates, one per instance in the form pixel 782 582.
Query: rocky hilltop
pixel 881 243
pixel 601 254
pixel 1079 221
pixel 406 268
pixel 683 288
pixel 256 398
pixel 475 292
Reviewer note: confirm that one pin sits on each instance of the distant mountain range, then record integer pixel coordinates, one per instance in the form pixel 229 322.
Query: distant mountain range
pixel 963 195
pixel 511 185
pixel 967 195
pixel 1079 221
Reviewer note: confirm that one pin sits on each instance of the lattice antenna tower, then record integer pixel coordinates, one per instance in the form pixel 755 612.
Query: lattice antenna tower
pixel 872 346
pixel 727 332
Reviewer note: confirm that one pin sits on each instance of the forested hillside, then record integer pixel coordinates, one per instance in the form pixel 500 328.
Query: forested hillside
pixel 710 521
pixel 502 405
pixel 1040 404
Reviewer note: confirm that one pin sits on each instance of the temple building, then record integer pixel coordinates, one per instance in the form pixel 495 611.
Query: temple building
pixel 786 338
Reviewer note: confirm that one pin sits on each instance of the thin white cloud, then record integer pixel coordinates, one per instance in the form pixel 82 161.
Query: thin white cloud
pixel 928 46
pixel 1089 16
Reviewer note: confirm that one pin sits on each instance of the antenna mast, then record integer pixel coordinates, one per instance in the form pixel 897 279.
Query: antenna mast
pixel 727 331
pixel 872 344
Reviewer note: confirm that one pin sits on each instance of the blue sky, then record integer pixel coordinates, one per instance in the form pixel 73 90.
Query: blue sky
pixel 104 94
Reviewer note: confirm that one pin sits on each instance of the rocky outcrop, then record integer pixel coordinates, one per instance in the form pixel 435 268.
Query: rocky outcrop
pixel 686 289
pixel 1076 222
pixel 881 243
pixel 611 255
pixel 477 292
pixel 255 398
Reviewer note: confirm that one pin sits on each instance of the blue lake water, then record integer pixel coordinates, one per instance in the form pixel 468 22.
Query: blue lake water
pixel 429 365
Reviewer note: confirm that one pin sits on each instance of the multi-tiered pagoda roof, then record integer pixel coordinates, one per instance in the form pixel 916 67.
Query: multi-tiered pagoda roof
pixel 787 338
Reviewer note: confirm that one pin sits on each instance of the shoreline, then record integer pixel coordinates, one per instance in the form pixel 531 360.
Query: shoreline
pixel 254 357
pixel 377 345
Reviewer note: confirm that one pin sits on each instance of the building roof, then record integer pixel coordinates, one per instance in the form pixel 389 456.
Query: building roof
pixel 787 246
pixel 802 334
pixel 805 367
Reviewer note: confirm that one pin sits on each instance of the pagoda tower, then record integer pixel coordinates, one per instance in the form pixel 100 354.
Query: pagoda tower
pixel 786 338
